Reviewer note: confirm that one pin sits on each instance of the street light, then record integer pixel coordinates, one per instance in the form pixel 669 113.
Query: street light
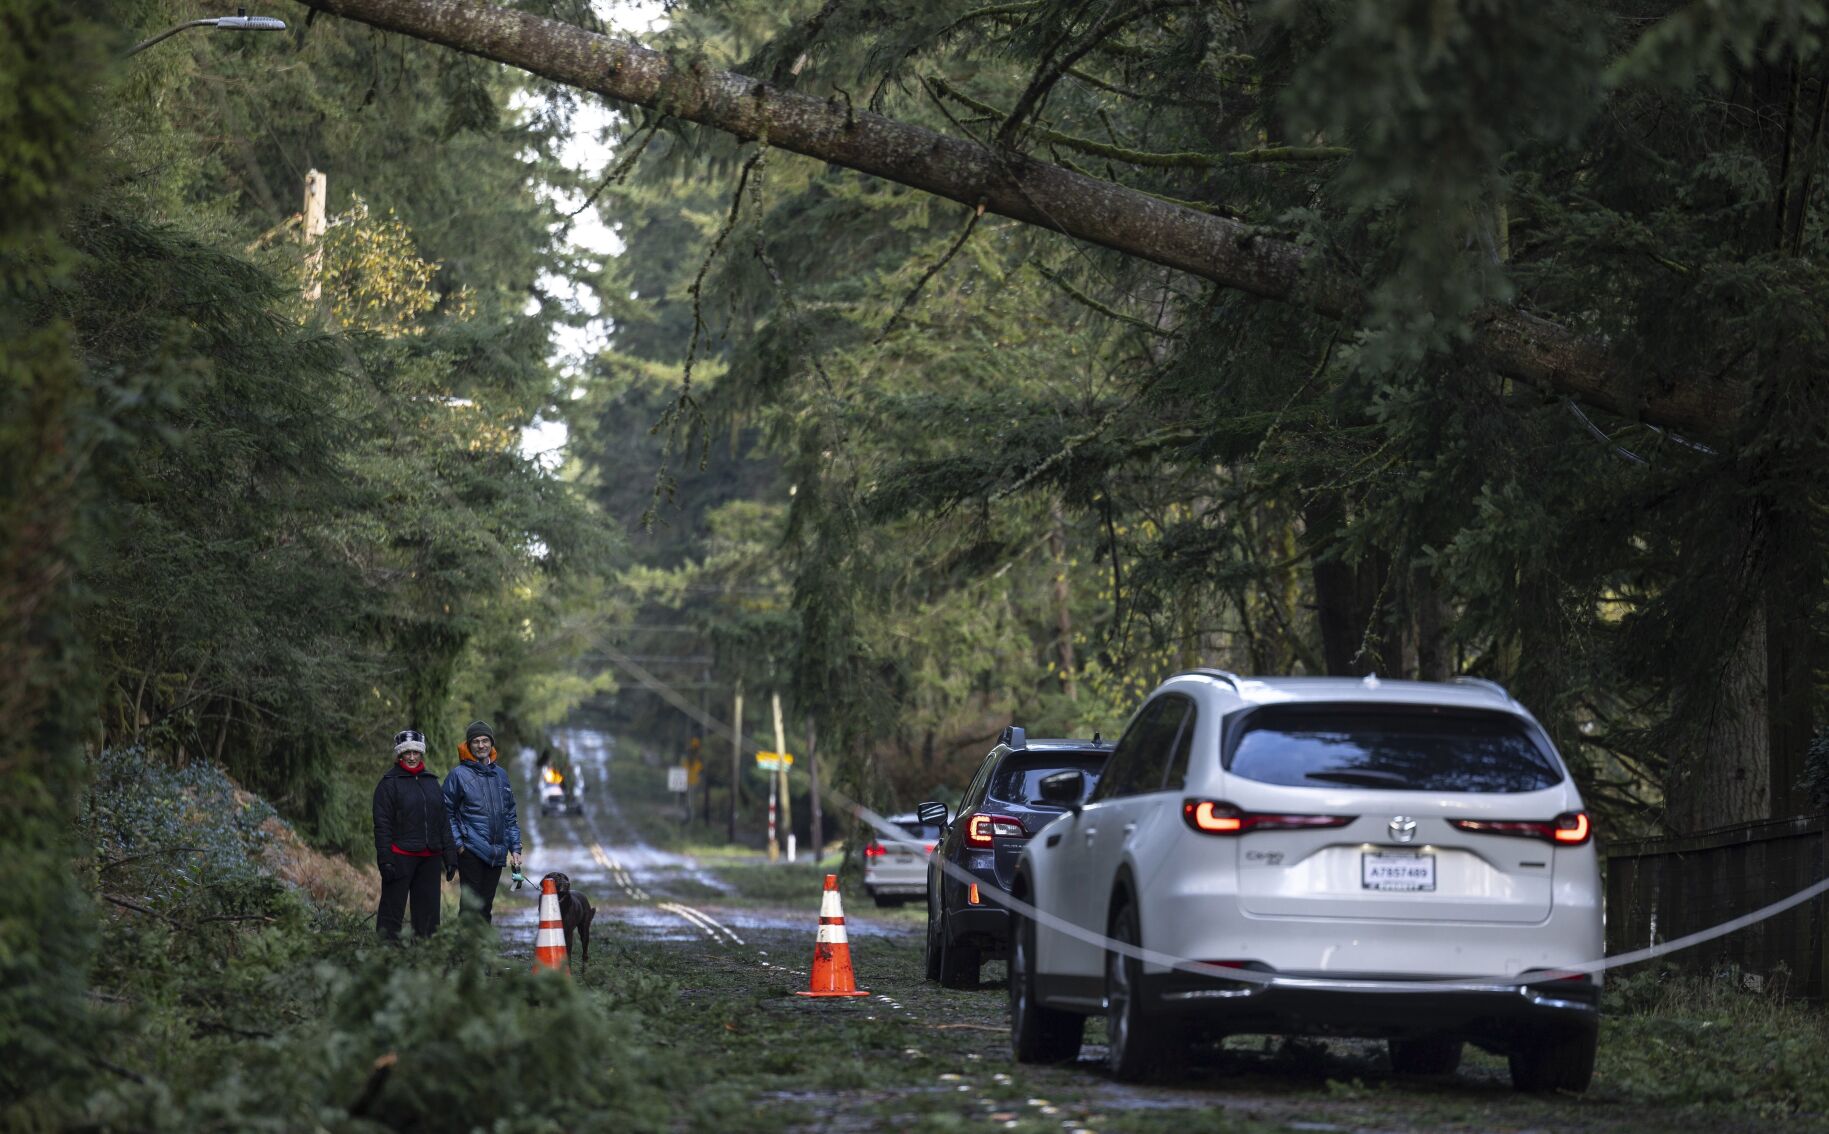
pixel 240 21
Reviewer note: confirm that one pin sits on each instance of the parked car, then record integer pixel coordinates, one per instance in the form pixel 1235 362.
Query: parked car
pixel 1001 808
pixel 895 870
pixel 1343 840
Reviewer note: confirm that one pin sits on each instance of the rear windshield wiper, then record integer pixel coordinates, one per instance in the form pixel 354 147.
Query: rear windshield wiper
pixel 1364 776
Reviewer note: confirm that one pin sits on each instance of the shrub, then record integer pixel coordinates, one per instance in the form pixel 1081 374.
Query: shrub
pixel 1680 1039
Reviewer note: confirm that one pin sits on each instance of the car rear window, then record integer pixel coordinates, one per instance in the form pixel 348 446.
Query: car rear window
pixel 920 832
pixel 1018 778
pixel 1402 750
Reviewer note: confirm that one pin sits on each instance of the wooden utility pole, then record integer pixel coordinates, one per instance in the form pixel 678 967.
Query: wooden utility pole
pixel 317 189
pixel 787 810
pixel 736 758
pixel 814 816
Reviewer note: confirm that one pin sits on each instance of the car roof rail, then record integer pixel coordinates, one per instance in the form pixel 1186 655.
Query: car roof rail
pixel 1485 683
pixel 1225 675
pixel 1014 737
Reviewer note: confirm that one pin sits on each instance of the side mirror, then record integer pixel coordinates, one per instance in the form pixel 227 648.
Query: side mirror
pixel 1065 789
pixel 932 814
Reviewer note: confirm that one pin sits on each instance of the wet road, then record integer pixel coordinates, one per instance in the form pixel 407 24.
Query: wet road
pixel 656 894
pixel 913 1056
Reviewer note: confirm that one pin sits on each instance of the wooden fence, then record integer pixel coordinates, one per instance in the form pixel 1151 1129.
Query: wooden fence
pixel 1661 889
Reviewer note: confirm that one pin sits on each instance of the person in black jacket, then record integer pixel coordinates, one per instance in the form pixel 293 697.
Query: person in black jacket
pixel 412 840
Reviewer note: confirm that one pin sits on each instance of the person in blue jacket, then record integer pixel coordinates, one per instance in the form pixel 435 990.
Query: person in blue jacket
pixel 480 805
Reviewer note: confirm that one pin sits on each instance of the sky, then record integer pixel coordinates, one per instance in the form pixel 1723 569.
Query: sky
pixel 590 151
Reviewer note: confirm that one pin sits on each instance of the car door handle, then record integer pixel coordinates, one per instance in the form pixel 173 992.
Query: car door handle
pixel 1090 832
pixel 1054 840
pixel 1129 829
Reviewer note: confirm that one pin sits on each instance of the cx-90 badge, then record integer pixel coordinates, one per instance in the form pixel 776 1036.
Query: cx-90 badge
pixel 1403 828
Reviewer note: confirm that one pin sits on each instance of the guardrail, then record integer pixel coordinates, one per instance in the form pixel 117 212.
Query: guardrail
pixel 1660 889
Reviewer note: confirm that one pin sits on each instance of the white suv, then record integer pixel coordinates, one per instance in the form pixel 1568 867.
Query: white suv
pixel 1349 842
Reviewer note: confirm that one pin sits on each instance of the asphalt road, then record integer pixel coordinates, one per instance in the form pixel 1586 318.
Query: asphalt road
pixel 640 891
pixel 916 1057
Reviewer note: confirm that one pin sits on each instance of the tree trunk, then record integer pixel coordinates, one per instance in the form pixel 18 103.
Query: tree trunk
pixel 1434 660
pixel 1747 762
pixel 1229 252
pixel 1726 778
pixel 1057 542
pixel 1356 601
pixel 1342 593
pixel 736 758
pixel 816 833
pixel 1791 591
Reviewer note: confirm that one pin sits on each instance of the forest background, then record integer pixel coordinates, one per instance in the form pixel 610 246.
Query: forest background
pixel 919 468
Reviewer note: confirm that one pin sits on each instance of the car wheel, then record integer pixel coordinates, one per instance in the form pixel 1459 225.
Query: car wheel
pixel 1037 1034
pixel 1559 1060
pixel 933 943
pixel 959 962
pixel 1139 1043
pixel 1425 1055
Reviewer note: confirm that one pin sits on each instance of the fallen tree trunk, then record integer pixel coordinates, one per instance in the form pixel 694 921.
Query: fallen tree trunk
pixel 1008 183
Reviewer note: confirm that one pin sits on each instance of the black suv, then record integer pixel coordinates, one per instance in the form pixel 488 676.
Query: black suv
pixel 999 811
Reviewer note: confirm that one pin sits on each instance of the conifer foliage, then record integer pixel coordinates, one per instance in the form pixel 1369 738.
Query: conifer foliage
pixel 1370 483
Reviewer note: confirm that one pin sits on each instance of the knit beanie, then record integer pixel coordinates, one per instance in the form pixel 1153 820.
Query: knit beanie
pixel 479 728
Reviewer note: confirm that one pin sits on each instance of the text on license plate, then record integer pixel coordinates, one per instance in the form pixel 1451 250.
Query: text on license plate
pixel 1397 871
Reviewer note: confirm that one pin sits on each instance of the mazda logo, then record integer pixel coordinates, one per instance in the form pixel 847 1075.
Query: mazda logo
pixel 1403 828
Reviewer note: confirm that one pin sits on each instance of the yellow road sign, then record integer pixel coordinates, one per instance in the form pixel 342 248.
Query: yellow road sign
pixel 695 768
pixel 774 760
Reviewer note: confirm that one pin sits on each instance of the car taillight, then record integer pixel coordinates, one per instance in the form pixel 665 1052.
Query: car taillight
pixel 1570 829
pixel 930 848
pixel 981 829
pixel 1211 817
pixel 875 849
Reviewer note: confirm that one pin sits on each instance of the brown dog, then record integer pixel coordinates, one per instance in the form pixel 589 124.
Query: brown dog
pixel 575 914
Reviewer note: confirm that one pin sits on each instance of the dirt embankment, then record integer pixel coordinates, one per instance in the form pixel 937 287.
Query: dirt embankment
pixel 328 880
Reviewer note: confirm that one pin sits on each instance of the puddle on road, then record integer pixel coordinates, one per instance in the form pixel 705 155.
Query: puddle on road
pixel 656 924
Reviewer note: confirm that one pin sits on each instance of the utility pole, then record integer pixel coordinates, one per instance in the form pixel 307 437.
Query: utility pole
pixel 317 189
pixel 814 816
pixel 736 758
pixel 774 794
pixel 787 810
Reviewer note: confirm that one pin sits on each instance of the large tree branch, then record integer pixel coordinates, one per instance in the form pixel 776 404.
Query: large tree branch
pixel 1216 248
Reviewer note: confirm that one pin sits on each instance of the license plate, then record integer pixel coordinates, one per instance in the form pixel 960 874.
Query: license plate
pixel 904 858
pixel 1405 872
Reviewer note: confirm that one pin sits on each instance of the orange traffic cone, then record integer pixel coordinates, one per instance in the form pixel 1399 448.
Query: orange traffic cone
pixel 549 943
pixel 832 952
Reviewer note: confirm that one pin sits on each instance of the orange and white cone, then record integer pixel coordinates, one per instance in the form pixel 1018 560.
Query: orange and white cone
pixel 832 953
pixel 549 943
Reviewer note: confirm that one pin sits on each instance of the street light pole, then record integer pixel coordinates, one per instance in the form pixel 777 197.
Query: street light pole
pixel 241 21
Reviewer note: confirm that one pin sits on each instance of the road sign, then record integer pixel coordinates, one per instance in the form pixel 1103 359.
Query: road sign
pixel 695 771
pixel 678 779
pixel 773 761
